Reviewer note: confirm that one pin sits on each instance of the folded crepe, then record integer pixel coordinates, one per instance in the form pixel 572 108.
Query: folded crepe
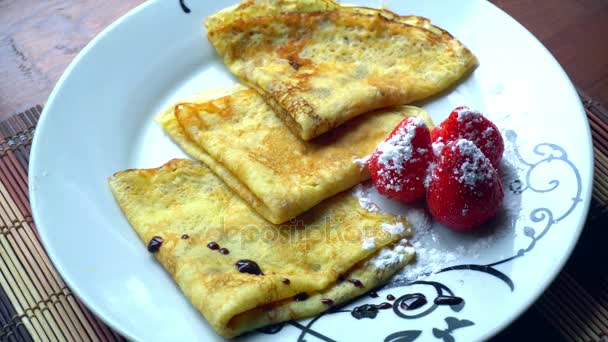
pixel 264 273
pixel 256 8
pixel 243 141
pixel 318 69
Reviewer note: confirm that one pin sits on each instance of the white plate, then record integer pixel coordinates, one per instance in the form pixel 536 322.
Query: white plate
pixel 99 120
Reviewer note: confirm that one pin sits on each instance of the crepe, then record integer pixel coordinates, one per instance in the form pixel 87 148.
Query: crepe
pixel 256 8
pixel 319 69
pixel 188 207
pixel 243 141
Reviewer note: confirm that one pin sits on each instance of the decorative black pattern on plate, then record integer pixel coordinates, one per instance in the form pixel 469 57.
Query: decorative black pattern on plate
pixel 183 6
pixel 453 324
pixel 403 336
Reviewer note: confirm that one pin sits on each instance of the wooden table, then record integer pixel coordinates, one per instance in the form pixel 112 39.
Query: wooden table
pixel 38 39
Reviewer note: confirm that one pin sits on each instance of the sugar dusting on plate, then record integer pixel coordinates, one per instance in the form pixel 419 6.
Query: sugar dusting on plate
pixel 362 194
pixel 394 229
pixel 433 252
pixel 390 256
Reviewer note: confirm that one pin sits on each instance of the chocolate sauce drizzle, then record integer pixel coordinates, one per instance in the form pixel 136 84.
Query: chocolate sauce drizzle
pixel 448 300
pixel 412 301
pixel 390 297
pixel 356 282
pixel 185 236
pixel 286 281
pixel 300 297
pixel 248 266
pixel 214 246
pixel 373 294
pixel 154 244
pixel 369 310
pixel 327 301
pixel 294 65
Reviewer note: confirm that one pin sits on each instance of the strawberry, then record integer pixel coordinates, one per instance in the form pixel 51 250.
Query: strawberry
pixel 464 189
pixel 464 123
pixel 399 164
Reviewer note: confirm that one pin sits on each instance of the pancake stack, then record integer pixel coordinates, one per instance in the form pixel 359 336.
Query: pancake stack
pixel 262 227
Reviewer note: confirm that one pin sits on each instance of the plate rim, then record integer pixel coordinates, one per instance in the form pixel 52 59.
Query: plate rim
pixel 113 323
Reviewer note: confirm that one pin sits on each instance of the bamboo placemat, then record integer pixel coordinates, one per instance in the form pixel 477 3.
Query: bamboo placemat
pixel 35 303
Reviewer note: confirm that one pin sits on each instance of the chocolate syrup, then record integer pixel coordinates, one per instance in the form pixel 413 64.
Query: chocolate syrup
pixel 373 294
pixel 384 306
pixel 154 244
pixel 369 310
pixel 327 301
pixel 294 65
pixel 286 281
pixel 213 245
pixel 300 297
pixel 185 236
pixel 248 266
pixel 448 300
pixel 357 283
pixel 224 251
pixel 390 297
pixel 412 301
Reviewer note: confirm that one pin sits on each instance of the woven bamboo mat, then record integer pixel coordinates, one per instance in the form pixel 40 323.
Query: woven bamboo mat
pixel 35 303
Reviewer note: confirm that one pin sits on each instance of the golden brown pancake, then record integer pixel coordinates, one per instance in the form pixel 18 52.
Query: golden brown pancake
pixel 243 141
pixel 319 69
pixel 188 207
pixel 256 8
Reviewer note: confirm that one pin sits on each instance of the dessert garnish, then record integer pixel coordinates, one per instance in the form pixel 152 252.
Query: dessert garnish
pixel 154 244
pixel 248 266
pixel 399 164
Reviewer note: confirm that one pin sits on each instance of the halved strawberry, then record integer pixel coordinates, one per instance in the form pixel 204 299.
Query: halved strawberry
pixel 464 123
pixel 399 164
pixel 465 189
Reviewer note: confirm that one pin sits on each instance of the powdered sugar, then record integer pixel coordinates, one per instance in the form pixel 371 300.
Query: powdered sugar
pixel 429 174
pixel 396 152
pixel 466 114
pixel 433 254
pixel 394 229
pixel 388 256
pixel 435 247
pixel 438 146
pixel 362 194
pixel 362 162
pixel 398 149
pixel 369 243
pixel 476 168
pixel 488 132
